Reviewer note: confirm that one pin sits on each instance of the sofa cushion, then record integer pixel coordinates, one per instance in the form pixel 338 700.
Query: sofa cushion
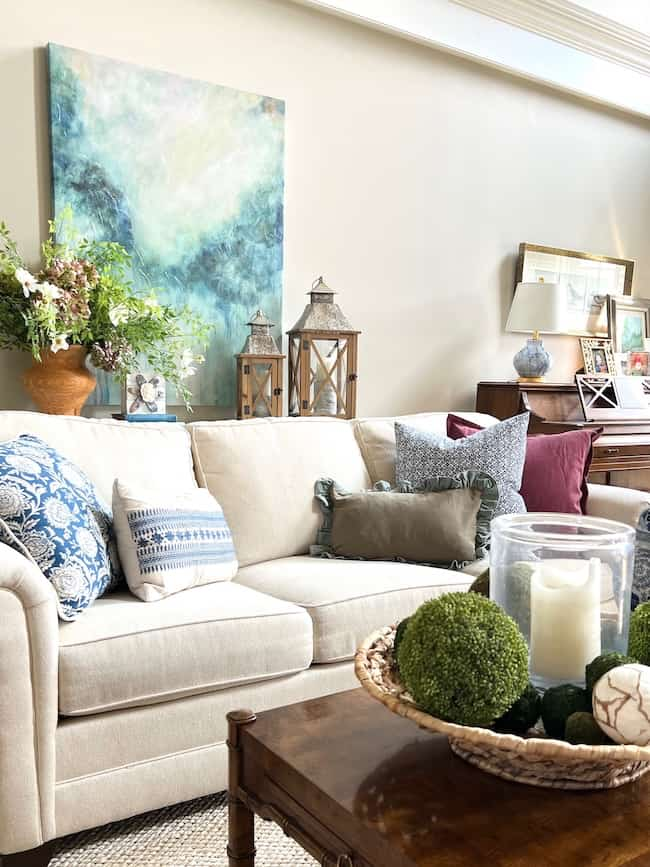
pixel 376 438
pixel 263 474
pixel 349 599
pixel 106 449
pixel 125 653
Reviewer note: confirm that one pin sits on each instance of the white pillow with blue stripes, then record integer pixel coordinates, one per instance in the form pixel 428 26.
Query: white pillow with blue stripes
pixel 170 542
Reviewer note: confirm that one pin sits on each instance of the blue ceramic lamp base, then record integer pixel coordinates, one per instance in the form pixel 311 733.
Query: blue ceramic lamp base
pixel 532 362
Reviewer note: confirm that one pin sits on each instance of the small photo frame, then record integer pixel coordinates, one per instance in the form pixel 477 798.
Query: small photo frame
pixel 144 394
pixel 628 322
pixel 638 363
pixel 597 356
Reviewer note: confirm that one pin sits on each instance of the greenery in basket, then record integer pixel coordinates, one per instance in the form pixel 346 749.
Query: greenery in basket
pixel 639 640
pixel 81 295
pixel 601 665
pixel 463 659
pixel 523 714
pixel 558 703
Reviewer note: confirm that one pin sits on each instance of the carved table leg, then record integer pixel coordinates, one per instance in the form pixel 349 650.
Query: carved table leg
pixel 39 857
pixel 241 821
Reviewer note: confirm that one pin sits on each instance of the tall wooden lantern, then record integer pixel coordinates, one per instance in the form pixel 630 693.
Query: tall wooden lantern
pixel 323 358
pixel 259 372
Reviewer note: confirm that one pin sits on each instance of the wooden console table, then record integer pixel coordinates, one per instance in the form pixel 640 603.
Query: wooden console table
pixel 555 407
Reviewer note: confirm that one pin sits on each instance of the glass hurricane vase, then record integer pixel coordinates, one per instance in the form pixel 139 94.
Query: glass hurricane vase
pixel 566 580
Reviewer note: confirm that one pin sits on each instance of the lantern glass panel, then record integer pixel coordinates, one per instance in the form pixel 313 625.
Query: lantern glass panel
pixel 262 388
pixel 326 360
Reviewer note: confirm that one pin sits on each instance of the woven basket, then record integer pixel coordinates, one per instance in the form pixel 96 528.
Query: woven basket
pixel 537 761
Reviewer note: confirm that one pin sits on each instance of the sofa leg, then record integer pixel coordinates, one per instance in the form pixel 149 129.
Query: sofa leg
pixel 39 857
pixel 241 820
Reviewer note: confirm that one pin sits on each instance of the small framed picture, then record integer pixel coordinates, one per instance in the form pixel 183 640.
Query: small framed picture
pixel 143 394
pixel 597 356
pixel 638 363
pixel 629 322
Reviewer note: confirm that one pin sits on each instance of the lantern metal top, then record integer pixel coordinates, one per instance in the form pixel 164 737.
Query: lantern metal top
pixel 322 313
pixel 260 341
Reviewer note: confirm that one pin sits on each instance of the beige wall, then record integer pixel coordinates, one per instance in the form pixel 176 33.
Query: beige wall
pixel 411 176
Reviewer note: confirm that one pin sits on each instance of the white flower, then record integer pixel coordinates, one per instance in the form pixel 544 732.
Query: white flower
pixel 118 314
pixel 59 342
pixel 151 303
pixel 69 581
pixel 48 291
pixel 187 362
pixel 12 501
pixel 26 280
pixel 86 542
pixel 57 513
pixel 25 466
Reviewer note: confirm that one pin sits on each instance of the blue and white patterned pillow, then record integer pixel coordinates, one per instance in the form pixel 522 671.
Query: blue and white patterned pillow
pixel 51 513
pixel 499 451
pixel 171 541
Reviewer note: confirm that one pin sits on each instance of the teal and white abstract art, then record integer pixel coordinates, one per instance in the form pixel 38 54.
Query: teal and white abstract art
pixel 189 177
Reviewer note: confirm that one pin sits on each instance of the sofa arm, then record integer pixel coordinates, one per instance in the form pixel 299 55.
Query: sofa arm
pixel 619 504
pixel 29 646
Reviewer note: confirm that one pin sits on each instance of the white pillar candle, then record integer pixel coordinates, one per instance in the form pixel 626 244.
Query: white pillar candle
pixel 564 619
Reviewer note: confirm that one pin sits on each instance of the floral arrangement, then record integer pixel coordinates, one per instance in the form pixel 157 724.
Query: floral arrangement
pixel 82 296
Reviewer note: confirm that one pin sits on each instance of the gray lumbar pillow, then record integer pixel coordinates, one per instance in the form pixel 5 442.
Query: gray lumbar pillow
pixel 499 451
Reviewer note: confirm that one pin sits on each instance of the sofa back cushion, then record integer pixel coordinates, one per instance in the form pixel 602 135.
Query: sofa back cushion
pixel 140 454
pixel 263 472
pixel 376 438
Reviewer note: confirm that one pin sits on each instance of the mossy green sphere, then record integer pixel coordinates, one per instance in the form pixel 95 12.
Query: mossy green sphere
pixel 582 728
pixel 639 640
pixel 601 665
pixel 523 714
pixel 558 703
pixel 463 659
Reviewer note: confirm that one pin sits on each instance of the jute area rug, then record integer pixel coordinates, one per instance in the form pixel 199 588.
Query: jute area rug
pixel 193 834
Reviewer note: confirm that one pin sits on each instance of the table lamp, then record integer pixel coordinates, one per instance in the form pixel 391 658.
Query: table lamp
pixel 537 307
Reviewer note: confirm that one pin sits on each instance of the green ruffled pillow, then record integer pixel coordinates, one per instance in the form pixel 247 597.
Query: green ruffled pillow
pixel 443 522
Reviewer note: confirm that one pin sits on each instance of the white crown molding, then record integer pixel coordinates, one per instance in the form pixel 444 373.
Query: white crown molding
pixel 555 42
pixel 573 25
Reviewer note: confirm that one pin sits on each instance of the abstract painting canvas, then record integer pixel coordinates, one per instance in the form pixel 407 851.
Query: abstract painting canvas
pixel 189 177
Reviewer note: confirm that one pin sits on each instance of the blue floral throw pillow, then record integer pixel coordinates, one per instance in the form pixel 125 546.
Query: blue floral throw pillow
pixel 51 513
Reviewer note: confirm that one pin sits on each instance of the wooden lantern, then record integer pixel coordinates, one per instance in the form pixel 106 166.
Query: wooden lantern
pixel 259 372
pixel 323 358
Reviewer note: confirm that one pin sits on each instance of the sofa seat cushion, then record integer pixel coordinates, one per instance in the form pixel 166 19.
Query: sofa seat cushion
pixel 349 599
pixel 126 653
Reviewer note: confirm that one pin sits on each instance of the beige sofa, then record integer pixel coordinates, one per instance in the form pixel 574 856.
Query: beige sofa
pixel 123 710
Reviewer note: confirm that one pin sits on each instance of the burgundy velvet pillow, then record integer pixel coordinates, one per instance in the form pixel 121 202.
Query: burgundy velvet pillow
pixel 555 470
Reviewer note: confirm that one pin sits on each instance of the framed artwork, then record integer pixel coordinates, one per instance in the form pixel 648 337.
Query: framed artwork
pixel 143 394
pixel 638 363
pixel 597 356
pixel 629 322
pixel 189 177
pixel 586 278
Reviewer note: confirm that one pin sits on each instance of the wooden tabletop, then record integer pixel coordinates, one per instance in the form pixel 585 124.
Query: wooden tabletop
pixel 398 796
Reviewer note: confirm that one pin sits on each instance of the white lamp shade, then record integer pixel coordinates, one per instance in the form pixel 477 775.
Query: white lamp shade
pixel 538 307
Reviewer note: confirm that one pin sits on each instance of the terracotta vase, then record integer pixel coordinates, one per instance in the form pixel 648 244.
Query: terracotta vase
pixel 60 383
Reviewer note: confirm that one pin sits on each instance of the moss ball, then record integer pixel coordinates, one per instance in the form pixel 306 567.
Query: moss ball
pixel 639 641
pixel 523 714
pixel 582 728
pixel 558 703
pixel 602 664
pixel 463 659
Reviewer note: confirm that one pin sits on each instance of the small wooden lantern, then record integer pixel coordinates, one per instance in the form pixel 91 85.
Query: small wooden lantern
pixel 259 372
pixel 323 358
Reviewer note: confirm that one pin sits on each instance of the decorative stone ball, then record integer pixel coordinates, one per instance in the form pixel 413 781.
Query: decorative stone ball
pixel 621 704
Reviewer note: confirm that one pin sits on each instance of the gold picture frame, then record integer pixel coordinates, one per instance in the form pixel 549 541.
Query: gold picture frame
pixel 597 356
pixel 629 322
pixel 587 278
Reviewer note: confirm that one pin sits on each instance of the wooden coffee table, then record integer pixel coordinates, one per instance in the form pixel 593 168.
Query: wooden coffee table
pixel 357 786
